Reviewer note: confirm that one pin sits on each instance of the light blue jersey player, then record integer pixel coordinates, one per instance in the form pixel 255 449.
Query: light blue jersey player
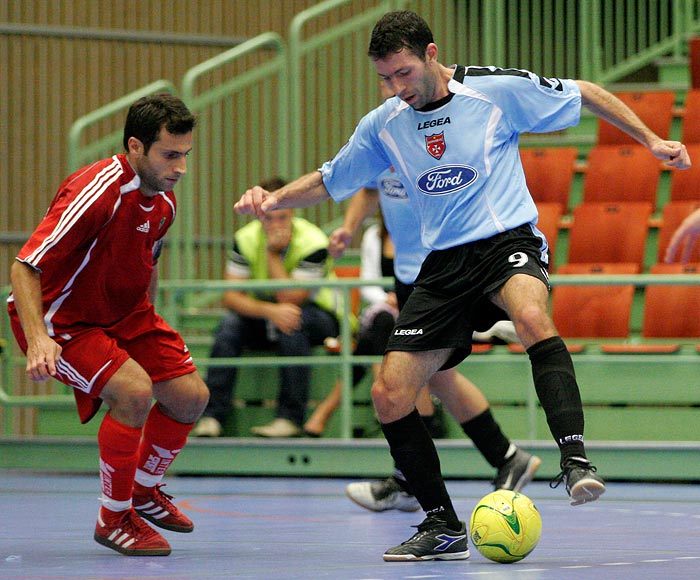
pixel 452 133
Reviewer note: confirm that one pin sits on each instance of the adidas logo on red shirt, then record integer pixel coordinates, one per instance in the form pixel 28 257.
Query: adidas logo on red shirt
pixel 144 227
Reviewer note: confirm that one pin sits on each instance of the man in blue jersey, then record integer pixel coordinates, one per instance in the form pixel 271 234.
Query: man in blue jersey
pixel 452 134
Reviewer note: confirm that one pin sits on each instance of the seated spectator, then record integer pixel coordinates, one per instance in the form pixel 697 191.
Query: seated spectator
pixel 277 247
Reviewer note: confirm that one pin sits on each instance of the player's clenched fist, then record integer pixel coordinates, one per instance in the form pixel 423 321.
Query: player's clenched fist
pixel 256 201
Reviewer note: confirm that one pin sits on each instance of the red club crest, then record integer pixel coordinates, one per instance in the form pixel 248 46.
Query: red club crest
pixel 435 144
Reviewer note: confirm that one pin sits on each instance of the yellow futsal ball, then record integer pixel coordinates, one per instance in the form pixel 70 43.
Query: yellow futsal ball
pixel 505 526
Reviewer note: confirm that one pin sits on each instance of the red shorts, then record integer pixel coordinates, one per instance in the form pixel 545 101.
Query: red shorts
pixel 91 355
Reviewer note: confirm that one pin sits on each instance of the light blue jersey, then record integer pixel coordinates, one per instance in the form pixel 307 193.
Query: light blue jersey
pixel 459 161
pixel 403 224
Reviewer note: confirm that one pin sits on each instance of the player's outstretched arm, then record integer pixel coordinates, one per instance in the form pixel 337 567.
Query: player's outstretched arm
pixel 608 107
pixel 686 236
pixel 302 192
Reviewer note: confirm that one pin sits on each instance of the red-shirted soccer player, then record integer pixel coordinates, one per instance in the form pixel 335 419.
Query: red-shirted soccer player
pixel 82 311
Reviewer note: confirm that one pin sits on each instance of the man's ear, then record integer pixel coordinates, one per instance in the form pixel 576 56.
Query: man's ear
pixel 135 146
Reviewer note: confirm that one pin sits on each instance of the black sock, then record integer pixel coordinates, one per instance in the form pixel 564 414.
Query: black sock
pixel 415 455
pixel 435 425
pixel 488 438
pixel 557 390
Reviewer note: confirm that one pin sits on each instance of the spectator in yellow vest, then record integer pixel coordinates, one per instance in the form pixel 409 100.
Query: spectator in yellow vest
pixel 279 246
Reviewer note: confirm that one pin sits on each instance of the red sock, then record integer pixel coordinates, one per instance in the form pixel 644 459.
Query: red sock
pixel 163 439
pixel 119 446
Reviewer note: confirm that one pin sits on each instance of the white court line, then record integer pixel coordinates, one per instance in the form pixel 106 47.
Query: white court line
pixel 619 564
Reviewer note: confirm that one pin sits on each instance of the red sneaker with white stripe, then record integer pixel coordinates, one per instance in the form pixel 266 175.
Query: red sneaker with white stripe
pixel 155 506
pixel 128 534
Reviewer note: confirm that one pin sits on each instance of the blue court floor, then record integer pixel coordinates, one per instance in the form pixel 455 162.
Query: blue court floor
pixel 292 528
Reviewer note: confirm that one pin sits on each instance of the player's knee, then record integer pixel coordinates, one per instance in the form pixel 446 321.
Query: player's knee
pixel 390 400
pixel 130 403
pixel 534 323
pixel 199 398
pixel 183 398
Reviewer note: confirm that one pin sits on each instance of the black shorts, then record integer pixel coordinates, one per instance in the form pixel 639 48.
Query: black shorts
pixel 452 286
pixel 484 316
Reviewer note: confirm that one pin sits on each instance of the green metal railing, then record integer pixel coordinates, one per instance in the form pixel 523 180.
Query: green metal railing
pixel 338 48
pixel 174 304
pixel 251 75
pixel 599 40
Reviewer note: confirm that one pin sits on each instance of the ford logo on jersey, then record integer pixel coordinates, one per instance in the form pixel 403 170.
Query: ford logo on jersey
pixel 446 179
pixel 393 188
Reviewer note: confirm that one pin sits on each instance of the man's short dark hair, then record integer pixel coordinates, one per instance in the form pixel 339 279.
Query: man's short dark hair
pixel 273 183
pixel 149 114
pixel 400 30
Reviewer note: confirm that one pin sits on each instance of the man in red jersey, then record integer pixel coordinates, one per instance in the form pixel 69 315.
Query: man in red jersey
pixel 82 311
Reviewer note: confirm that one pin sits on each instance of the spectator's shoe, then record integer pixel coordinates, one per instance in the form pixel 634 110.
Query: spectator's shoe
pixel 517 472
pixel 382 495
pixel 433 541
pixel 128 534
pixel 154 505
pixel 207 427
pixel 503 331
pixel 278 428
pixel 582 483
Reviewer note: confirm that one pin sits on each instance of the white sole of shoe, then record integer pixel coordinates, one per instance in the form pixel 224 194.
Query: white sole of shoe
pixel 374 508
pixel 532 466
pixel 586 491
pixel 411 558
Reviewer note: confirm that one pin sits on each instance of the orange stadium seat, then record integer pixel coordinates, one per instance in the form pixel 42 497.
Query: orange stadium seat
pixel 690 124
pixel 670 311
pixel 685 183
pixel 655 108
pixel 621 173
pixel 609 232
pixel 549 172
pixel 694 61
pixel 590 311
pixel 673 214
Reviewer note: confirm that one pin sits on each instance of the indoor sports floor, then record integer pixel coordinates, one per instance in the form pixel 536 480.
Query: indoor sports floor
pixel 293 528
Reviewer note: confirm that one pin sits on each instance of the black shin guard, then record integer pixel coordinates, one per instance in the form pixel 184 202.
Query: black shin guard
pixel 415 455
pixel 557 390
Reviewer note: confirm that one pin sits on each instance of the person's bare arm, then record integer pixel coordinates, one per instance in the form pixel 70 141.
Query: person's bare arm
pixel 686 236
pixel 277 271
pixel 42 351
pixel 608 107
pixel 302 192
pixel 362 205
pixel 285 316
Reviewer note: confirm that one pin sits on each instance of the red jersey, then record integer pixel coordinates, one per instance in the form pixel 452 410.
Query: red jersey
pixel 97 246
